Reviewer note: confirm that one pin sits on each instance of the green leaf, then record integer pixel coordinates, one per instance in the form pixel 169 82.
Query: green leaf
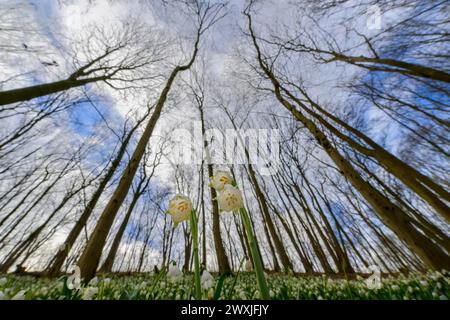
pixel 66 291
pixel 219 287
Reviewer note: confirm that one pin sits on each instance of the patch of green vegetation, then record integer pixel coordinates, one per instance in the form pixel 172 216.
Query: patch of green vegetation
pixel 433 285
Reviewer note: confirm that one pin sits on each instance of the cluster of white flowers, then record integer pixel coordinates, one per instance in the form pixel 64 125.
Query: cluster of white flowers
pixel 89 292
pixel 248 266
pixel 229 198
pixel 433 285
pixel 174 274
pixel 207 280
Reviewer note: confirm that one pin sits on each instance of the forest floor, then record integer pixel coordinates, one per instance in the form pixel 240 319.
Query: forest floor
pixel 429 286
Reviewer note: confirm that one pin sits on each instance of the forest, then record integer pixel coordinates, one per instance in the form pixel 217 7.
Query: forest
pixel 224 149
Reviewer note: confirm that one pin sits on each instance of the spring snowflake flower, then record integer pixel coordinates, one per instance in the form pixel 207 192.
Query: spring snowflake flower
pixel 19 295
pixel 180 208
pixel 230 199
pixel 89 293
pixel 207 280
pixel 220 179
pixel 93 282
pixel 248 266
pixel 174 273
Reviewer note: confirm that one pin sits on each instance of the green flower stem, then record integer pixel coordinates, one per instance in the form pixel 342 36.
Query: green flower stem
pixel 194 230
pixel 255 255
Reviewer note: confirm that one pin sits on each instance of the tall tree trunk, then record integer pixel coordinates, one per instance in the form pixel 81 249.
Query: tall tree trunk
pixel 89 260
pixel 390 214
pixel 422 185
pixel 222 259
pixel 287 264
pixel 109 261
pixel 56 263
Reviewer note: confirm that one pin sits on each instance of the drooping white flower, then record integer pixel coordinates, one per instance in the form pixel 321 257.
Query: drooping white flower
pixel 220 179
pixel 19 295
pixel 207 280
pixel 89 292
pixel 93 282
pixel 248 266
pixel 174 273
pixel 180 208
pixel 230 199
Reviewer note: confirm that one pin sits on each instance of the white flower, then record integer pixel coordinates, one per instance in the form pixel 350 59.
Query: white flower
pixel 207 280
pixel 19 295
pixel 248 266
pixel 107 281
pixel 174 273
pixel 2 295
pixel 220 179
pixel 93 282
pixel 180 208
pixel 89 293
pixel 230 199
